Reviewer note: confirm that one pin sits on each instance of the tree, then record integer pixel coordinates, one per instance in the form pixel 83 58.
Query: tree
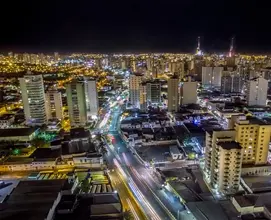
pixel 37 142
pixel 127 215
pixel 85 185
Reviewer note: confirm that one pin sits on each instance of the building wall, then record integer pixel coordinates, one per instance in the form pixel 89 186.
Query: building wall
pixel 153 92
pixel 231 82
pixel 229 170
pixel 77 103
pixel 33 97
pixel 143 98
pixel 173 95
pixel 255 140
pixel 211 151
pixel 257 92
pixel 92 98
pixel 135 82
pixel 188 93
pixel 54 105
pixel 75 162
pixel 211 76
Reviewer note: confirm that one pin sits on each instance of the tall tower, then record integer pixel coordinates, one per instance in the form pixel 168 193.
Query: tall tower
pixel 76 98
pixel 91 98
pixel 198 52
pixel 33 97
pixel 54 104
pixel 230 60
pixel 231 52
pixel 173 94
pixel 135 83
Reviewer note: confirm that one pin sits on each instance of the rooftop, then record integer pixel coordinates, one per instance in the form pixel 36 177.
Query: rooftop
pixel 32 200
pixel 44 153
pixel 89 206
pixel 13 132
pixel 6 117
pixel 259 183
pixel 207 210
pixel 257 200
pixel 229 145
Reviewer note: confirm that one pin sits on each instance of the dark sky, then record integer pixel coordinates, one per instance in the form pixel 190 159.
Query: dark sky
pixel 134 26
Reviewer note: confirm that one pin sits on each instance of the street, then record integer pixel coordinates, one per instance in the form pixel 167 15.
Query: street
pixel 157 202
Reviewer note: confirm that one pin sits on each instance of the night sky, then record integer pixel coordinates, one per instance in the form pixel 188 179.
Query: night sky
pixel 135 26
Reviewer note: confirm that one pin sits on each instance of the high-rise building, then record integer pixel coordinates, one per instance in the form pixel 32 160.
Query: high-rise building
pixel 153 92
pixel 26 58
pixel 54 104
pixel 172 67
pixel 33 97
pixel 227 167
pixel 133 65
pixel 181 70
pixel 56 56
pixel 211 76
pixel 257 91
pixel 231 82
pixel 188 92
pixel 223 160
pixel 254 136
pixel 196 65
pixel 76 99
pixel 91 98
pixel 173 94
pixel 135 83
pixel 143 97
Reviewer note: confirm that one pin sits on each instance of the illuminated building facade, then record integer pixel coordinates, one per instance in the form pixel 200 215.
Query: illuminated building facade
pixel 257 91
pixel 188 92
pixel 223 160
pixel 135 84
pixel 173 94
pixel 254 136
pixel 33 97
pixel 76 100
pixel 54 104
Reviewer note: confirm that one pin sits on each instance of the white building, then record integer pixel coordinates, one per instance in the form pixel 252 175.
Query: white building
pixel 173 94
pixel 77 103
pixel 91 98
pixel 135 83
pixel 33 97
pixel 211 76
pixel 54 104
pixel 188 92
pixel 228 163
pixel 223 161
pixel 257 91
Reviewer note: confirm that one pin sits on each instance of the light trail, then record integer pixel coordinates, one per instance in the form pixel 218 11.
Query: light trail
pixel 141 179
pixel 136 190
pixel 120 168
pixel 104 121
pixel 125 159
pixel 142 198
pixel 132 209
